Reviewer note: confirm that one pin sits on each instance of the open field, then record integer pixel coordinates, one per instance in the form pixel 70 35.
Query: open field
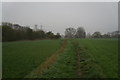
pixel 20 58
pixel 60 40
pixel 65 66
pixel 98 58
pixel 82 58
pixel 104 53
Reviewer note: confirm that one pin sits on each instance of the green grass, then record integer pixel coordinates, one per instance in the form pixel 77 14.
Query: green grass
pixel 20 58
pixel 65 66
pixel 100 60
pixel 104 53
pixel 0 60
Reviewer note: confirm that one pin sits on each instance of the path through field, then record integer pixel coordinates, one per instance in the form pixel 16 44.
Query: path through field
pixel 78 64
pixel 77 51
pixel 71 58
pixel 49 61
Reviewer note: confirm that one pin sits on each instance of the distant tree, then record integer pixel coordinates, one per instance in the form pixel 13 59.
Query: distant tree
pixel 80 32
pixel 7 24
pixel 115 34
pixel 0 33
pixel 50 35
pixel 88 35
pixel 41 34
pixel 13 32
pixel 57 36
pixel 109 34
pixel 16 27
pixel 96 34
pixel 29 33
pixel 105 36
pixel 70 33
pixel 8 33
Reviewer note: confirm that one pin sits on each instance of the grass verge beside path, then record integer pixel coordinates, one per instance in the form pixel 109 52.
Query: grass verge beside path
pixel 98 58
pixel 102 52
pixel 76 58
pixel 46 64
pixel 86 67
pixel 20 58
pixel 64 67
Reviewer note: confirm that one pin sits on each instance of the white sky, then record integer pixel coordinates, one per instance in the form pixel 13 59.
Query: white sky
pixel 56 16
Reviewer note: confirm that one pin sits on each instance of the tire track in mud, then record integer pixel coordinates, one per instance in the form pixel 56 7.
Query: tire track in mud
pixel 83 65
pixel 46 64
pixel 78 65
pixel 77 51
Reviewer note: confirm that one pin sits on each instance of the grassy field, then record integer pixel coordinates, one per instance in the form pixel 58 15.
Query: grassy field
pixel 0 60
pixel 65 66
pixel 20 58
pixel 98 59
pixel 104 53
pixel 82 58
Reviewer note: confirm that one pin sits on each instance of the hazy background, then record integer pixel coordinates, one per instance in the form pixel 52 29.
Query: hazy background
pixel 56 16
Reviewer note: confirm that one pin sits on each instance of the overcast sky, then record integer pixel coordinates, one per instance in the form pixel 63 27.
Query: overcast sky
pixel 57 16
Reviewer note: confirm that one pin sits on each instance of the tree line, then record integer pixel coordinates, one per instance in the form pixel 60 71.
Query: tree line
pixel 14 32
pixel 80 33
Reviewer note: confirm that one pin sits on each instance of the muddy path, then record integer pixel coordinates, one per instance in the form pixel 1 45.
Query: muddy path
pixel 78 65
pixel 85 66
pixel 77 51
pixel 46 64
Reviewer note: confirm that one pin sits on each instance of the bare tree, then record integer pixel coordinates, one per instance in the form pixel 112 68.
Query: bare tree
pixel 88 35
pixel 80 32
pixel 96 34
pixel 70 33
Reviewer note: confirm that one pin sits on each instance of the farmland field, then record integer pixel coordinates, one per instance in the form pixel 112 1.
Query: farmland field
pixel 98 59
pixel 104 53
pixel 82 58
pixel 20 58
